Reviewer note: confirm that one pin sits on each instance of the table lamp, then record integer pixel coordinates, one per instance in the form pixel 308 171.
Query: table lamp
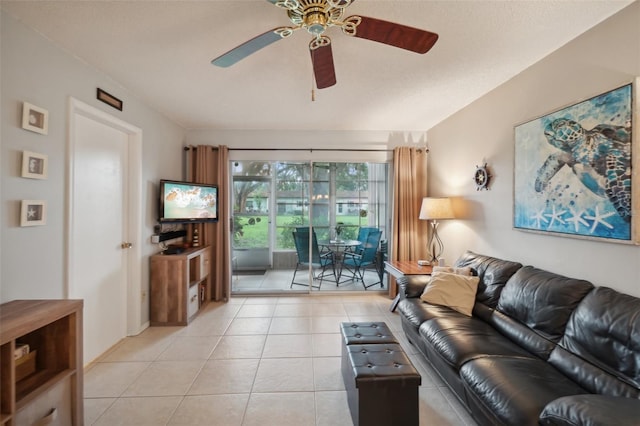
pixel 435 209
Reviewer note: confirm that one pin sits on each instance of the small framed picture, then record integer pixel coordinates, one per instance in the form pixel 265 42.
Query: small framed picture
pixel 34 118
pixel 33 213
pixel 34 165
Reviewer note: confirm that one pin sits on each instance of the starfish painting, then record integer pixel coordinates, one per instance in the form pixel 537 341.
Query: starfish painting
pixel 572 172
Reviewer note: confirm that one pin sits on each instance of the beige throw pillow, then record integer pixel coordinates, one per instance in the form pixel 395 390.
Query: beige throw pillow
pixel 453 270
pixel 458 292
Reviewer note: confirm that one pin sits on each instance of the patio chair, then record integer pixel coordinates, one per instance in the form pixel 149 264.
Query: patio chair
pixel 363 233
pixel 317 260
pixel 365 257
pixel 381 257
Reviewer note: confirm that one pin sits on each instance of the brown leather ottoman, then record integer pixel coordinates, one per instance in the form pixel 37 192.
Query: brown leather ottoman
pixel 381 382
pixel 366 333
pixel 361 333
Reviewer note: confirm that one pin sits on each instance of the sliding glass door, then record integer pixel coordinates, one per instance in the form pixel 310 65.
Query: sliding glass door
pixel 251 240
pixel 273 199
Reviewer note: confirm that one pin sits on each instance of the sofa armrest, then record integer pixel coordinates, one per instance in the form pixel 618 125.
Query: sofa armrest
pixel 594 410
pixel 412 286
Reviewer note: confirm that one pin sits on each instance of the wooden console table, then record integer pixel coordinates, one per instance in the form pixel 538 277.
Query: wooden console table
pixel 44 385
pixel 400 268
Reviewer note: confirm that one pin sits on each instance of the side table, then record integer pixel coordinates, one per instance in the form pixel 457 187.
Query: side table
pixel 400 268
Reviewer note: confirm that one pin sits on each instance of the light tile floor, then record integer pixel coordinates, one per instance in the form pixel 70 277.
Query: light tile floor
pixel 279 281
pixel 254 361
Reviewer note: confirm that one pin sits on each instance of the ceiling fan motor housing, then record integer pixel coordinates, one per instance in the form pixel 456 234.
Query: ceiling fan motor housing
pixel 316 22
pixel 315 15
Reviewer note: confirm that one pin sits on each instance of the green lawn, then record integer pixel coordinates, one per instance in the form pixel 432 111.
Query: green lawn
pixel 254 230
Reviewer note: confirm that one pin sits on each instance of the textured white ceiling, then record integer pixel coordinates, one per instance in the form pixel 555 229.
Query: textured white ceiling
pixel 161 51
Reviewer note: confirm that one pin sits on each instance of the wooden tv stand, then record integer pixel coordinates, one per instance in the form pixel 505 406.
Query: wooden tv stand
pixel 180 285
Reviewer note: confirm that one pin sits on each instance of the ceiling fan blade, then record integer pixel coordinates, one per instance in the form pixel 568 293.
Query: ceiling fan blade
pixel 322 60
pixel 402 36
pixel 252 46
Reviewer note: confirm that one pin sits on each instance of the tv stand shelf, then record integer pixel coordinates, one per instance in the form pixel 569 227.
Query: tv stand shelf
pixel 51 389
pixel 180 285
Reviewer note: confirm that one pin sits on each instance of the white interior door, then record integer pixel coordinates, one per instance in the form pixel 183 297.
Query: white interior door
pixel 100 231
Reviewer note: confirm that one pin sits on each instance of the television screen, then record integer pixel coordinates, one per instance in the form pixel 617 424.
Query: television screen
pixel 188 202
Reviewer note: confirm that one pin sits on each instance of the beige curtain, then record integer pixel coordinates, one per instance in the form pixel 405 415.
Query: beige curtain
pixel 209 164
pixel 409 187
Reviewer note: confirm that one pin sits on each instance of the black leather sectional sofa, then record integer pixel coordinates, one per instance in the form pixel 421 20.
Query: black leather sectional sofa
pixel 539 348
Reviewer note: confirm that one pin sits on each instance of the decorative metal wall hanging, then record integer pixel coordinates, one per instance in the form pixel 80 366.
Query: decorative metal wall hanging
pixel 482 177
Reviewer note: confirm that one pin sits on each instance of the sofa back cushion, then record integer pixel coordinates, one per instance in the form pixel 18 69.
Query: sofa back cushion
pixel 602 337
pixel 493 274
pixel 535 306
pixel 542 300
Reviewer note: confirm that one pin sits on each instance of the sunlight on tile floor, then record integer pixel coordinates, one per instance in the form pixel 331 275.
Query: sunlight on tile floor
pixel 280 281
pixel 254 361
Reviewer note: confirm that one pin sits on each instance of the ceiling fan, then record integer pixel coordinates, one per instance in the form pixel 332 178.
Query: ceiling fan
pixel 316 16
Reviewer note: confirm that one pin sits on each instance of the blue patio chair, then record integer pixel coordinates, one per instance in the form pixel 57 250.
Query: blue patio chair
pixel 356 263
pixel 305 230
pixel 317 260
pixel 363 233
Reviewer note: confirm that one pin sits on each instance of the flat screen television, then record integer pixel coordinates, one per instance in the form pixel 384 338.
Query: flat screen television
pixel 188 202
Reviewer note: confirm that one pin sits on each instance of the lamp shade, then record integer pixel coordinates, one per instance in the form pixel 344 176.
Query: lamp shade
pixel 436 208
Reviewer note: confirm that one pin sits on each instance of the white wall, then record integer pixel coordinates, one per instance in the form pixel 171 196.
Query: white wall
pixel 374 145
pixel 599 60
pixel 36 71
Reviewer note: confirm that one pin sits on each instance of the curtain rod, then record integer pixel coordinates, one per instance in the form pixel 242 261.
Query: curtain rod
pixel 187 148
pixel 310 149
pixel 190 147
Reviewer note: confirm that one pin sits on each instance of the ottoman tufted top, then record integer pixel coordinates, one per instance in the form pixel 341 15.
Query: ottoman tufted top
pixel 366 333
pixel 381 364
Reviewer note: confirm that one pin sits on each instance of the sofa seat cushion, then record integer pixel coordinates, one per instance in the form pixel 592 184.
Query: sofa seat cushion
pixel 515 390
pixel 593 410
pixel 459 339
pixel 590 376
pixel 415 311
pixel 493 273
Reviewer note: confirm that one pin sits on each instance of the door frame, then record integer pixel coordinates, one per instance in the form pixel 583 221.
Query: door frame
pixel 134 200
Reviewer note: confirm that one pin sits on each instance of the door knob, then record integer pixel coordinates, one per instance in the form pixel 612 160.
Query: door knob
pixel 126 245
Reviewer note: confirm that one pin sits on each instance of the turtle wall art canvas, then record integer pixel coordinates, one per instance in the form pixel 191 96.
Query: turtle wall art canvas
pixel 573 169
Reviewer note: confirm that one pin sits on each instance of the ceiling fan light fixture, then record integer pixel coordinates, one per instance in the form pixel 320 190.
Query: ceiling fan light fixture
pixel 316 23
